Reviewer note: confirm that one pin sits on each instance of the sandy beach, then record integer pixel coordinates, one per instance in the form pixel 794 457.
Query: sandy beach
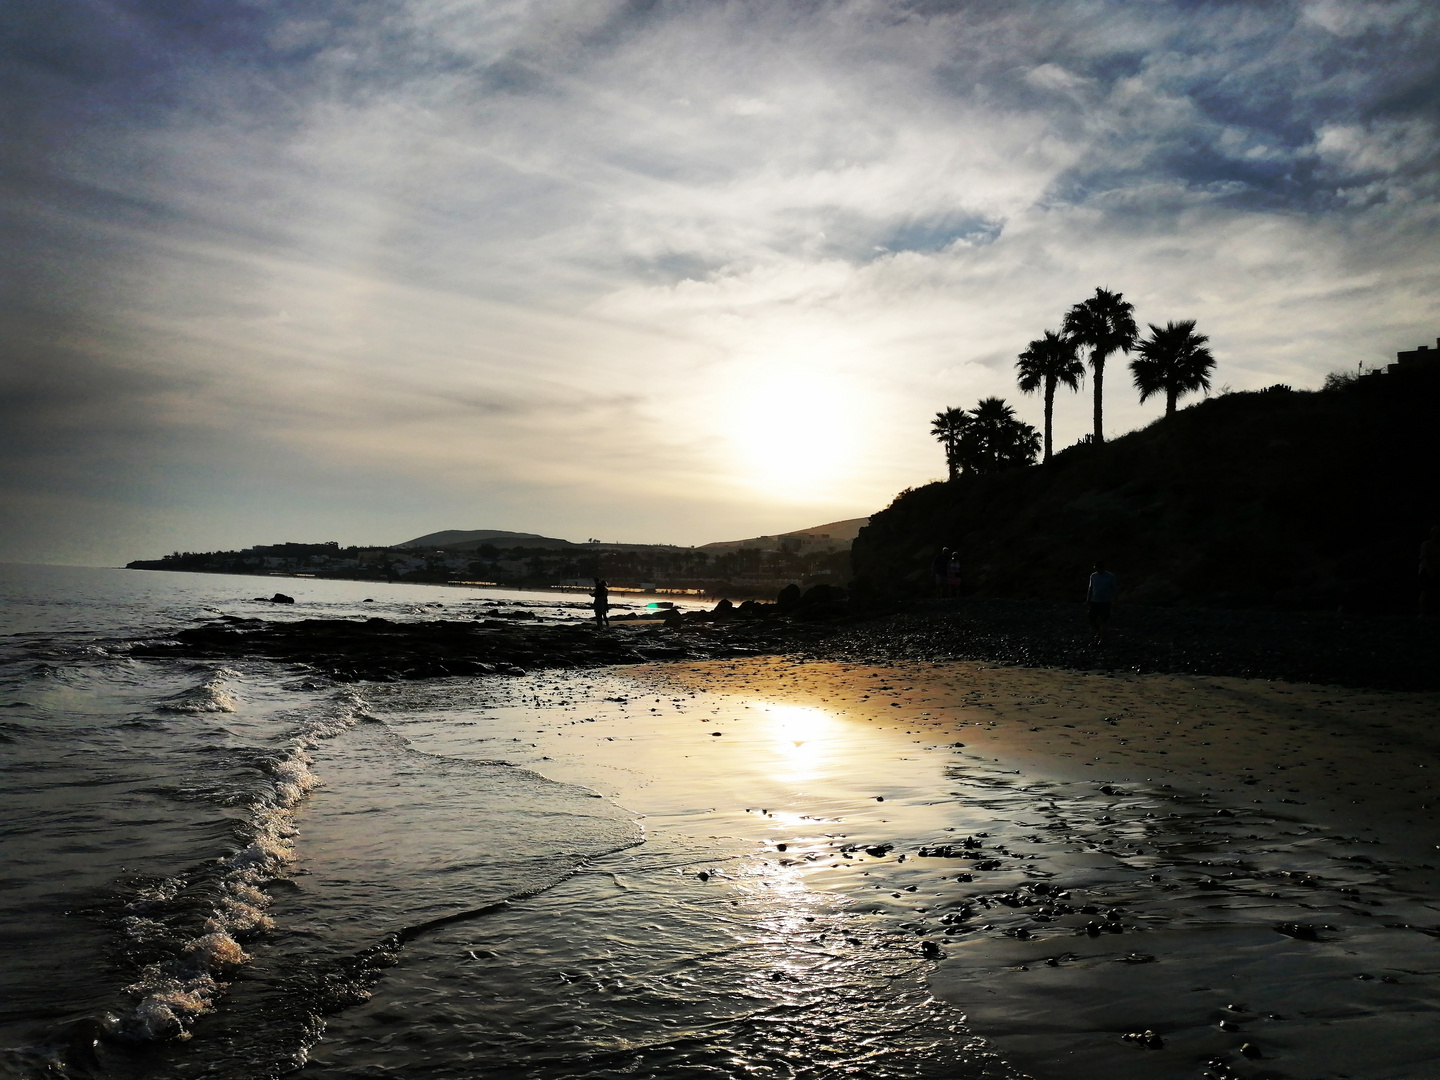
pixel 1100 875
pixel 1300 807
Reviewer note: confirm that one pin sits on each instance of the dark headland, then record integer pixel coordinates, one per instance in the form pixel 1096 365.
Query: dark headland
pixel 1275 499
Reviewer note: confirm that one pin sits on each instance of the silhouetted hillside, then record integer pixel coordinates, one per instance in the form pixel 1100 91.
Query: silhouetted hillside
pixel 1274 498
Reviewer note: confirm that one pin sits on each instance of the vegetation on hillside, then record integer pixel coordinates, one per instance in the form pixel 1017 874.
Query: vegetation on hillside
pixel 1308 500
pixel 1172 361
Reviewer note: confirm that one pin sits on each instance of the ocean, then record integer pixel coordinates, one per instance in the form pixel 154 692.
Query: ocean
pixel 239 869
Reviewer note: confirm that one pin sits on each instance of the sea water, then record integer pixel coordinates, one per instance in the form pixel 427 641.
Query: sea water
pixel 238 869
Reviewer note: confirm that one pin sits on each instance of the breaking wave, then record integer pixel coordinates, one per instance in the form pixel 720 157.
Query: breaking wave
pixel 211 696
pixel 227 898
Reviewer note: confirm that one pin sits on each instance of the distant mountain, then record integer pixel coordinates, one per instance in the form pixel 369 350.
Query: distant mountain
pixel 462 538
pixel 831 537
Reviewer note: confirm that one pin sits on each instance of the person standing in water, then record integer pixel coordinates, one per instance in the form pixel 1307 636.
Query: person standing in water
pixel 602 602
pixel 1100 596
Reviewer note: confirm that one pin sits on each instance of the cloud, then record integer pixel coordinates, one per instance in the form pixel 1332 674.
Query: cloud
pixel 545 264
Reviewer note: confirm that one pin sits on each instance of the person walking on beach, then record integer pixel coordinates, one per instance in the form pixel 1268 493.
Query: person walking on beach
pixel 602 602
pixel 1100 595
pixel 940 571
pixel 1429 581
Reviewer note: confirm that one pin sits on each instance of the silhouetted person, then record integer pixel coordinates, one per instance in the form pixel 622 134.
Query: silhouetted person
pixel 940 570
pixel 1429 582
pixel 1100 596
pixel 602 602
pixel 952 574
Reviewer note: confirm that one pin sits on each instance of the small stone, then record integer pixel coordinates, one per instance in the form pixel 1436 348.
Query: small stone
pixel 1250 1050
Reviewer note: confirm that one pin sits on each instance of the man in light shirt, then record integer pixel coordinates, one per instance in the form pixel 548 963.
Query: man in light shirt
pixel 1100 595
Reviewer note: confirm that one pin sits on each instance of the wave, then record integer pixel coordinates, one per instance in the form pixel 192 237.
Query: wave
pixel 213 695
pixel 194 971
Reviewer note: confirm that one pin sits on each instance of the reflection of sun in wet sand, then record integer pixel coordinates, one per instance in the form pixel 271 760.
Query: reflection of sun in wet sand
pixel 802 734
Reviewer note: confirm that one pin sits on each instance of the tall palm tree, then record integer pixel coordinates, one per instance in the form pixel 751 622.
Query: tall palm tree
pixel 1105 323
pixel 948 427
pixel 1049 361
pixel 1172 361
pixel 996 439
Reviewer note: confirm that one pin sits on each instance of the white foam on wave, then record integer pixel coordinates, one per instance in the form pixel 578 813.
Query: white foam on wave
pixel 174 993
pixel 211 696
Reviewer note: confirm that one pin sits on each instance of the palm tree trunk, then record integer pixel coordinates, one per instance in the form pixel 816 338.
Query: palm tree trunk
pixel 1170 401
pixel 1049 412
pixel 1097 362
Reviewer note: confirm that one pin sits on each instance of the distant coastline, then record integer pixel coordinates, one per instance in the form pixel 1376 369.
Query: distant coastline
pixel 757 567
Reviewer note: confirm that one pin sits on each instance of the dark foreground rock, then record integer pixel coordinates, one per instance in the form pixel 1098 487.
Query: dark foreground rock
pixel 383 651
pixel 1364 651
pixel 1373 652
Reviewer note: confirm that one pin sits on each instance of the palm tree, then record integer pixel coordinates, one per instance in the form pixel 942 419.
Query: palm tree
pixel 1048 362
pixel 1172 361
pixel 1105 323
pixel 996 439
pixel 948 427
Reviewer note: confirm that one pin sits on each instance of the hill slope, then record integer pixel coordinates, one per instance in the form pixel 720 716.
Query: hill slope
pixel 466 538
pixel 1307 500
pixel 829 537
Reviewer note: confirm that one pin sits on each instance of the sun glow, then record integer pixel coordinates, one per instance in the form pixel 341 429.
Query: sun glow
pixel 793 433
pixel 802 735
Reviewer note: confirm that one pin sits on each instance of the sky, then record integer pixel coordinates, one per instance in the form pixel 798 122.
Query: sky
pixel 669 271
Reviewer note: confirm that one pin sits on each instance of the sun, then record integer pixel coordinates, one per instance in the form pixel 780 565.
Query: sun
pixel 793 433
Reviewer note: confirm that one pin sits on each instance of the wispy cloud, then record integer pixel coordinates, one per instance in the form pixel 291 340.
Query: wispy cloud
pixel 662 270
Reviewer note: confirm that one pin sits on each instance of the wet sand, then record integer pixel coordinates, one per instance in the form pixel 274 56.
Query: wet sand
pixel 942 870
pixel 1247 867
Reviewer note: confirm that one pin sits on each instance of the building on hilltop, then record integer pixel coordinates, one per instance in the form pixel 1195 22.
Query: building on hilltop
pixel 1413 361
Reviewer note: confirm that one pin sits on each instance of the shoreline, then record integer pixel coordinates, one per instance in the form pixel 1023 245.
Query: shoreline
pixel 1356 652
